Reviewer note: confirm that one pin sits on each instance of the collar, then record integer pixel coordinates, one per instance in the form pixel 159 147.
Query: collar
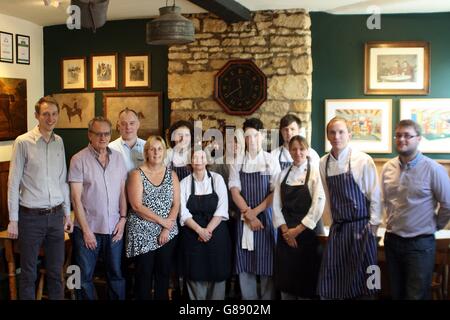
pixel 205 177
pixel 95 153
pixel 412 163
pixel 123 142
pixel 302 167
pixel 342 156
pixel 38 135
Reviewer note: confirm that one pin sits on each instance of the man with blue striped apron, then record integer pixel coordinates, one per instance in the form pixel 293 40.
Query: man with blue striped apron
pixel 250 188
pixel 353 193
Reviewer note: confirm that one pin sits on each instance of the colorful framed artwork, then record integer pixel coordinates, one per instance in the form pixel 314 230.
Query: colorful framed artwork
pixel 136 71
pixel 76 109
pixel 13 108
pixel 73 73
pixel 148 106
pixel 6 47
pixel 370 122
pixel 104 71
pixel 22 49
pixel 433 115
pixel 397 68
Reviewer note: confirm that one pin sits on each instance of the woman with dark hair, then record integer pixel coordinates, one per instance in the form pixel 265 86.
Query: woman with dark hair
pixel 181 138
pixel 250 188
pixel 298 203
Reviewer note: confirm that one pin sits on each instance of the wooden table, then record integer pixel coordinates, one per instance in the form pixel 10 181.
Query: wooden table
pixel 11 247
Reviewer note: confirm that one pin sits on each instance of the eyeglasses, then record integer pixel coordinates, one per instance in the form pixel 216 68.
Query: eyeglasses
pixel 100 134
pixel 406 136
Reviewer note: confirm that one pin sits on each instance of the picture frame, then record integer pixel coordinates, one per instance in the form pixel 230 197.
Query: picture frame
pixel 148 106
pixel 75 109
pixel 22 49
pixel 104 71
pixel 136 71
pixel 13 102
pixel 433 115
pixel 6 47
pixel 370 121
pixel 400 67
pixel 73 73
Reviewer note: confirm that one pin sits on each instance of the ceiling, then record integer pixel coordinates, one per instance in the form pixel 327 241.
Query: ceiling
pixel 36 12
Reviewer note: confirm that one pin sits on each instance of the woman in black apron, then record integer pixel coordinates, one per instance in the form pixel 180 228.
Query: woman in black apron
pixel 299 200
pixel 205 240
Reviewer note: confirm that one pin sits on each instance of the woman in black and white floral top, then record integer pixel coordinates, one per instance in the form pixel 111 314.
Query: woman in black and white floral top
pixel 154 195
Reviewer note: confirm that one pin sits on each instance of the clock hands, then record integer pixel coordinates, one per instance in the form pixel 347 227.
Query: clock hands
pixel 233 91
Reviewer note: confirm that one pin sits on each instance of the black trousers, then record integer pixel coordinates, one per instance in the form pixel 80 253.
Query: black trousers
pixel 154 266
pixel 36 231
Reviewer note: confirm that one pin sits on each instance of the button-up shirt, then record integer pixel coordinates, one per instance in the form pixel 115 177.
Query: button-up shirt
pixel 101 187
pixel 286 156
pixel 365 175
pixel 297 177
pixel 263 162
pixel 411 193
pixel 37 174
pixel 202 188
pixel 133 157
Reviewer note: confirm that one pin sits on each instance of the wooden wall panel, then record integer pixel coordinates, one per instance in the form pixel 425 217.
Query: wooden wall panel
pixel 4 217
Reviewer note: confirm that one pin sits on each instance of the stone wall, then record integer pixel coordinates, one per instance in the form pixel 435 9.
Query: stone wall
pixel 279 42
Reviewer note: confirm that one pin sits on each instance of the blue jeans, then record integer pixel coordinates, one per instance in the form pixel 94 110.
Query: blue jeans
pixel 87 259
pixel 410 264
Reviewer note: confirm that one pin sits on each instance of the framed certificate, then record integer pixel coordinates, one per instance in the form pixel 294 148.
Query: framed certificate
pixel 6 47
pixel 22 49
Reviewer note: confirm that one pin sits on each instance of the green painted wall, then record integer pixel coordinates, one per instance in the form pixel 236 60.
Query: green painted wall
pixel 122 37
pixel 338 60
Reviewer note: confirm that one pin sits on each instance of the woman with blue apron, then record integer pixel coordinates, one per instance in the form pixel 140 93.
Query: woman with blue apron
pixel 256 236
pixel 205 239
pixel 297 258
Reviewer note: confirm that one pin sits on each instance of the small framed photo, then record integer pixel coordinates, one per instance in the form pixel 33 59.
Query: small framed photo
pixel 6 47
pixel 397 67
pixel 433 115
pixel 370 121
pixel 136 72
pixel 104 71
pixel 22 49
pixel 73 73
pixel 148 106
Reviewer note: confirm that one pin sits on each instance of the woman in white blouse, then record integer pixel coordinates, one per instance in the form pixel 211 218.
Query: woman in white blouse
pixel 205 240
pixel 298 204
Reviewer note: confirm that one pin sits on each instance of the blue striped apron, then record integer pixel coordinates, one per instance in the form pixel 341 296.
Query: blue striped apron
pixel 283 164
pixel 182 172
pixel 351 246
pixel 255 187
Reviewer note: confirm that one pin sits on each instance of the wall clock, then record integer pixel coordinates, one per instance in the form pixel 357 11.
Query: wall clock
pixel 240 87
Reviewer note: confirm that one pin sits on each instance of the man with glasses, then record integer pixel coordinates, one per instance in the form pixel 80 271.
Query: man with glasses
pixel 413 185
pixel 38 201
pixel 97 178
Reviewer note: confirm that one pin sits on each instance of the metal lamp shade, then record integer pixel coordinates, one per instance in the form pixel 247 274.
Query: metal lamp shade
pixel 170 28
pixel 93 12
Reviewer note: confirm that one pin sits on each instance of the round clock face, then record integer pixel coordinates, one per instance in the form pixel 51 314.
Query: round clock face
pixel 240 87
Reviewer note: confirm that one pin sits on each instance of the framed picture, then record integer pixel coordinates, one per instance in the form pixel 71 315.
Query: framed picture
pixel 6 47
pixel 73 73
pixel 13 108
pixel 104 71
pixel 397 67
pixel 433 115
pixel 76 109
pixel 369 119
pixel 136 72
pixel 22 49
pixel 147 105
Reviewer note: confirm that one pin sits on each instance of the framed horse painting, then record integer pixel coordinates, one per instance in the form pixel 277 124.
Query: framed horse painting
pixel 75 109
pixel 147 105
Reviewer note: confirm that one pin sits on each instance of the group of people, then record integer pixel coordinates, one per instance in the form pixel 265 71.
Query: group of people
pixel 168 212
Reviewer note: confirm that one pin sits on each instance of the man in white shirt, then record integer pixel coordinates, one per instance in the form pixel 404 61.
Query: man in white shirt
pixel 129 144
pixel 290 126
pixel 353 195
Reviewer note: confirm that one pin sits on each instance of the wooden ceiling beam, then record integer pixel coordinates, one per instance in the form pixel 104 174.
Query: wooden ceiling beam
pixel 228 10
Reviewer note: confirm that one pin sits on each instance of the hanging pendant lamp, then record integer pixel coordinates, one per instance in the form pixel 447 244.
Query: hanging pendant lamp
pixel 170 27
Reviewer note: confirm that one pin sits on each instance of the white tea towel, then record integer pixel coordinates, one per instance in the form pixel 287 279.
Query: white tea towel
pixel 247 237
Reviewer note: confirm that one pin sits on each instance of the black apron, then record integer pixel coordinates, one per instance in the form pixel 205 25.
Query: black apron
pixel 205 261
pixel 297 269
